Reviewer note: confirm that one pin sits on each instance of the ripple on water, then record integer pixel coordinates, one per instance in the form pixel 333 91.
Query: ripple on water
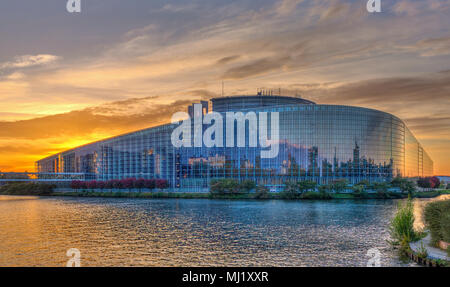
pixel 168 232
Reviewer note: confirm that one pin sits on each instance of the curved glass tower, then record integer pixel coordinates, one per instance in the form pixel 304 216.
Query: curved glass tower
pixel 316 142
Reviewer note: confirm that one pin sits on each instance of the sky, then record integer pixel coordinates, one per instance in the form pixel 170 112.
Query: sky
pixel 67 79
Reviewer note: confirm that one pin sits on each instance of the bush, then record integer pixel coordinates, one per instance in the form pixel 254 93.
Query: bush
pixel 224 186
pixel 262 192
pixel 381 188
pixel 359 191
pixel 445 227
pixel 402 225
pixel 437 220
pixel 150 184
pixel 422 252
pixel 339 185
pixel 127 183
pixel 429 182
pixel 247 185
pixel 162 184
pixel 231 186
pixel 27 189
pixel 316 195
pixel 92 184
pixel 139 184
pixel 290 191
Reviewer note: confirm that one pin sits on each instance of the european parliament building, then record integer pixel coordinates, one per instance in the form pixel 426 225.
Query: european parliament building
pixel 315 142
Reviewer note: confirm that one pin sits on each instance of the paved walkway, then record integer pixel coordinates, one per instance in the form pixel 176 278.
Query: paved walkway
pixel 433 252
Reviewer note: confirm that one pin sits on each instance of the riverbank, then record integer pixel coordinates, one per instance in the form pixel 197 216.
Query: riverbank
pixel 422 252
pixel 193 195
pixel 418 228
pixel 257 193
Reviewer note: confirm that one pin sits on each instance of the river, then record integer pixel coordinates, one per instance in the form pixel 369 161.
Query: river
pixel 37 231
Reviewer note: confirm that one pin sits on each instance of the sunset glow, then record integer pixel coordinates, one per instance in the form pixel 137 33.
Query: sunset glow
pixel 72 79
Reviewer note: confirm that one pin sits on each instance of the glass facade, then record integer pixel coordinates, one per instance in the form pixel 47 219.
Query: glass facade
pixel 316 142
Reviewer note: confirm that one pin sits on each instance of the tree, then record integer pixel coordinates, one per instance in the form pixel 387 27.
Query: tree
pixel 150 184
pixel 381 188
pixel 139 184
pixel 340 185
pixel 408 186
pixel 358 189
pixel 75 184
pixel 398 181
pixel 262 192
pixel 424 182
pixel 435 182
pixel 128 183
pixel 291 190
pixel 306 185
pixel 224 186
pixel 162 183
pixel 101 185
pixel 325 188
pixel 92 184
pixel 117 183
pixel 247 185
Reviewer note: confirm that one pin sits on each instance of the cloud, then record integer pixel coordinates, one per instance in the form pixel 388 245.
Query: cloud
pixel 287 6
pixel 434 46
pixel 330 51
pixel 15 76
pixel 421 101
pixel 409 8
pixel 258 67
pixel 29 61
pixel 228 59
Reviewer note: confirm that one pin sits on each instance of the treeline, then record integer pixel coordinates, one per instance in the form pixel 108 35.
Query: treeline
pixel 27 189
pixel 232 188
pixel 307 189
pixel 429 182
pixel 127 183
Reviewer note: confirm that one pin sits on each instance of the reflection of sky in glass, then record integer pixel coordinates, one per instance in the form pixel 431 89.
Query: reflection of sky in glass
pixel 317 142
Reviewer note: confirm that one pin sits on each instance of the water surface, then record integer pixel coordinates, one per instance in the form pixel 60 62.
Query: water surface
pixel 37 231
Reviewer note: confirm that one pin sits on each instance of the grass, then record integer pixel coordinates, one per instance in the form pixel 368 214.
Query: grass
pixel 46 189
pixel 401 228
pixel 437 220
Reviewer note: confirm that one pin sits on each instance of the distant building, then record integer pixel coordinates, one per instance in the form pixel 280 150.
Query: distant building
pixel 444 179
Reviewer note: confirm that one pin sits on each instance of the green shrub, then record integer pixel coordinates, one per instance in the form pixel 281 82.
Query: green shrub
pixel 436 218
pixel 247 185
pixel 262 192
pixel 339 185
pixel 422 252
pixel 27 189
pixel 402 225
pixel 316 195
pixel 290 191
pixel 436 215
pixel 224 186
pixel 445 227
